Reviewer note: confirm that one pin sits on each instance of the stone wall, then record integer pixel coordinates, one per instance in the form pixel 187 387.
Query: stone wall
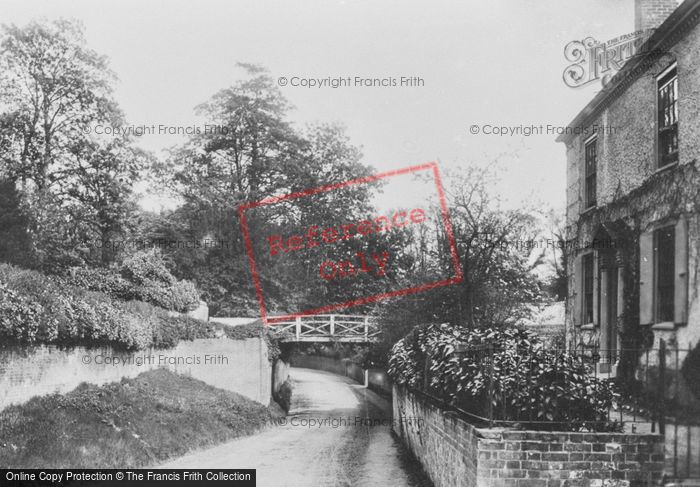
pixel 377 379
pixel 240 366
pixel 345 367
pixel 454 453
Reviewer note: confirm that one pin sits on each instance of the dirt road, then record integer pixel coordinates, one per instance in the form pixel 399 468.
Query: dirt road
pixel 337 434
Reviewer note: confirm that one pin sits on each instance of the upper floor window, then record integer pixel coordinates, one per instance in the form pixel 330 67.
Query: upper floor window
pixel 668 118
pixel 591 156
pixel 664 248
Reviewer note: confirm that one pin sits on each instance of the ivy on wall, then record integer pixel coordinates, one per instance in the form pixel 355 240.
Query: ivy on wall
pixel 664 196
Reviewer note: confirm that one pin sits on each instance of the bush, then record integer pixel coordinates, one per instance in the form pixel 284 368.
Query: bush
pixel 173 329
pixel 142 277
pixel 35 309
pixel 283 396
pixel 19 317
pixel 102 280
pixel 39 309
pixel 507 373
pixel 691 371
pixel 146 266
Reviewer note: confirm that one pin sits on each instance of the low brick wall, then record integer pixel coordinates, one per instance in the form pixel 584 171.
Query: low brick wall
pixel 240 366
pixel 454 453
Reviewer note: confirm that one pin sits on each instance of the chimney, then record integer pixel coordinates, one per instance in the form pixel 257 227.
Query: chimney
pixel 649 14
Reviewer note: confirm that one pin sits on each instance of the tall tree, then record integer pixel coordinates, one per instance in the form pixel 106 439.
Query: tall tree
pixel 74 188
pixel 53 87
pixel 498 284
pixel 98 191
pixel 250 151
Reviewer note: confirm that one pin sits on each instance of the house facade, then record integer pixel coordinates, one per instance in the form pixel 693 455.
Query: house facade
pixel 633 195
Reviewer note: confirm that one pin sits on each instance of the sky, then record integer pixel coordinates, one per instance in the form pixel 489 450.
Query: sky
pixel 495 62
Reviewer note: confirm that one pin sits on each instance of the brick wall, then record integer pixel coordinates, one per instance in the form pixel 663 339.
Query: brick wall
pixel 454 453
pixel 240 366
pixel 550 459
pixel 649 14
pixel 445 445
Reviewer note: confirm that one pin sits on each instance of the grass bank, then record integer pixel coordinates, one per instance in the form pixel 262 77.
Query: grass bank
pixel 137 422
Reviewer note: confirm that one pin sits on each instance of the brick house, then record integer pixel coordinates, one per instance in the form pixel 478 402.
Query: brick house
pixel 633 195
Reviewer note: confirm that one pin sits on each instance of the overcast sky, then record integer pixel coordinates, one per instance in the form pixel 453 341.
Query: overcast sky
pixel 496 62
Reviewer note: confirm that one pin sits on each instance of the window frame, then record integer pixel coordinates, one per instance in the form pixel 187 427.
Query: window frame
pixel 657 319
pixel 667 76
pixel 587 202
pixel 585 279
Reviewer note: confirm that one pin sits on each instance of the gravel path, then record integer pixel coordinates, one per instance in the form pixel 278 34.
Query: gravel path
pixel 325 441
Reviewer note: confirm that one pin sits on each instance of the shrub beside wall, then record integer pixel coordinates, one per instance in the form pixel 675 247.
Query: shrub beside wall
pixel 39 309
pixel 504 374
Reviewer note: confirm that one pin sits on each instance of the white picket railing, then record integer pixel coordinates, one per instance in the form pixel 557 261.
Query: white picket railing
pixel 317 328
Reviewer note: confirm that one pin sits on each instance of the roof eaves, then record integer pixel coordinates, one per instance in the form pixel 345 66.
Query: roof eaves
pixel 669 33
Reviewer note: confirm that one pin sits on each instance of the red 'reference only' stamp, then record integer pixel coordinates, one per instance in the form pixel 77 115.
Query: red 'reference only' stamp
pixel 353 253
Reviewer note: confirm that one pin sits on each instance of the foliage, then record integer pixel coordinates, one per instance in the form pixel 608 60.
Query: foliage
pixel 144 277
pixel 156 416
pixel 101 280
pixel 40 309
pixel 498 280
pixel 75 188
pixel 146 266
pixel 504 374
pixel 15 244
pixel 19 317
pixel 53 88
pixel 499 285
pixel 691 371
pixel 66 315
pixel 260 154
pixel 35 309
pixel 283 396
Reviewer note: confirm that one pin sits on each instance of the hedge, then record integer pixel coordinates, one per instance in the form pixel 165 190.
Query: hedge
pixel 506 375
pixel 40 309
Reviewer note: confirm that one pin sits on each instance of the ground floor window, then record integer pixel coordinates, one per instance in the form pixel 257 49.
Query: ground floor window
pixel 588 288
pixel 664 249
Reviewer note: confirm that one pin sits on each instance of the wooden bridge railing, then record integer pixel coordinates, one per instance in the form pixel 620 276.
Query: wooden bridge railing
pixel 321 328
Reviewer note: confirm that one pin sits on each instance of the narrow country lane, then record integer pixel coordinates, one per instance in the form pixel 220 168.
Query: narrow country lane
pixel 308 451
